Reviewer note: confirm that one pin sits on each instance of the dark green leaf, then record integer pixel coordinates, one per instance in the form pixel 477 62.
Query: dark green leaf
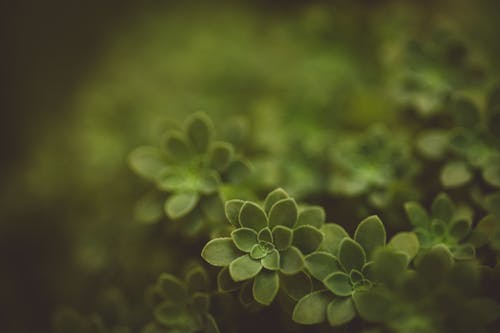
pixel 282 237
pixel 283 212
pixel 314 216
pixel 334 233
pixel 311 309
pixel 340 311
pixel 296 286
pixel 237 171
pixel 212 207
pixel 209 182
pixel 373 306
pixel 201 302
pixel 417 215
pixel 225 282
pixel 197 279
pixel 220 252
pixel 443 208
pixel 370 234
pixel 148 162
pixel 389 265
pixel 307 238
pixel 271 261
pixel 459 229
pixel 339 283
pixel 221 154
pixel 455 174
pixel 463 251
pixel 232 209
pixel 291 261
pixel 244 238
pixel 177 147
pixel 252 216
pixel 406 242
pixel 351 255
pixel 244 268
pixel 199 129
pixel 321 264
pixel 265 235
pixel 273 197
pixel 265 287
pixel 257 252
pixel 180 204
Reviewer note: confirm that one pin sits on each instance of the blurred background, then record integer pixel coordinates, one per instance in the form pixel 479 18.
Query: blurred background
pixel 295 85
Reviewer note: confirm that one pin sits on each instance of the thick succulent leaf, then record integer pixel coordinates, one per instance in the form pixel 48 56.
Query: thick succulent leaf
pixel 232 209
pixel 265 235
pixel 148 162
pixel 265 286
pixel 417 215
pixel 246 295
pixel 389 265
pixel 372 305
pixel 257 252
pixel 180 204
pixel 209 182
pixel 339 283
pixel 271 261
pixel 291 261
pixel 199 129
pixel 225 282
pixel 212 207
pixel 273 197
pixel 340 311
pixel 351 255
pixel 459 229
pixel 307 238
pixel 252 216
pixel 177 147
pixel 406 242
pixel 356 276
pixel 284 213
pixel 433 265
pixel 433 143
pixel 311 309
pixel 237 171
pixel 296 286
pixel 244 268
pixel 455 174
pixel 282 237
pixel 313 216
pixel 244 238
pixel 221 154
pixel 438 227
pixel 170 314
pixel 321 264
pixel 210 324
pixel 443 208
pixel 197 279
pixel 370 234
pixel 220 252
pixel 334 234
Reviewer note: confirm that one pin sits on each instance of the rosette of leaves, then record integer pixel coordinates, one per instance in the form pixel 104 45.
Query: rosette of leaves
pixel 445 224
pixel 181 306
pixel 267 247
pixel 191 168
pixel 345 265
pixel 374 163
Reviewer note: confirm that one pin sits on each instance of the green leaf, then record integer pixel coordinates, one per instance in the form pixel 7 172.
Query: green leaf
pixel 180 204
pixel 221 154
pixel 212 207
pixel 220 252
pixel 351 255
pixel 245 295
pixel 244 268
pixel 340 311
pixel 252 216
pixel 201 302
pixel 148 162
pixel 273 197
pixel 460 228
pixel 438 227
pixel 455 174
pixel 372 305
pixel 271 261
pixel 283 212
pixel 313 216
pixel 265 235
pixel 443 208
pixel 209 182
pixel 356 276
pixel 282 237
pixel 311 309
pixel 433 143
pixel 291 261
pixel 433 265
pixel 389 265
pixel 321 264
pixel 296 286
pixel 370 234
pixel 177 147
pixel 170 314
pixel 225 282
pixel 237 171
pixel 199 129
pixel 417 214
pixel 197 279
pixel 257 252
pixel 232 209
pixel 244 238
pixel 210 324
pixel 334 234
pixel 463 251
pixel 491 173
pixel 406 242
pixel 307 238
pixel 339 283
pixel 265 287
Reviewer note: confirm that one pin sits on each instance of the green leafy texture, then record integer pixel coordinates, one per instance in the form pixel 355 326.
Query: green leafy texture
pixel 370 234
pixel 177 147
pixel 307 238
pixel 180 204
pixel 284 213
pixel 282 237
pixel 339 283
pixel 273 197
pixel 209 182
pixel 313 216
pixel 225 282
pixel 311 309
pixel 460 228
pixel 199 129
pixel 321 264
pixel 258 252
pixel 197 280
pixel 434 264
pixel 406 242
pixel 237 171
pixel 220 252
pixel 220 155
pixel 296 286
pixel 148 162
pixel 340 311
pixel 334 234
pixel 271 261
pixel 291 261
pixel 244 268
pixel 265 287
pixel 372 305
pixel 244 238
pixel 443 208
pixel 252 216
pixel 351 255
pixel 417 214
pixel 389 265
pixel 232 209
pixel 265 235
pixel 455 174
pixel 172 289
pixel 212 207
pixel 170 314
pixel 433 143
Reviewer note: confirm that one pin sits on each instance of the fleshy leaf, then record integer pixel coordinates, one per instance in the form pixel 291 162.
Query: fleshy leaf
pixel 321 264
pixel 460 228
pixel 148 162
pixel 172 289
pixel 244 238
pixel 311 309
pixel 244 268
pixel 271 261
pixel 252 216
pixel 197 279
pixel 209 182
pixel 265 286
pixel 265 235
pixel 370 234
pixel 443 208
pixel 225 282
pixel 434 264
pixel 389 265
pixel 339 283
pixel 307 238
pixel 283 212
pixel 170 314
pixel 296 286
pixel 220 252
pixel 237 171
pixel 180 204
pixel 257 252
pixel 282 237
pixel 177 146
pixel 351 255
pixel 291 261
pixel 221 154
pixel 334 234
pixel 372 305
pixel 199 129
pixel 433 143
pixel 340 311
pixel 314 216
pixel 232 209
pixel 406 242
pixel 273 197
pixel 245 295
pixel 417 214
pixel 455 174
